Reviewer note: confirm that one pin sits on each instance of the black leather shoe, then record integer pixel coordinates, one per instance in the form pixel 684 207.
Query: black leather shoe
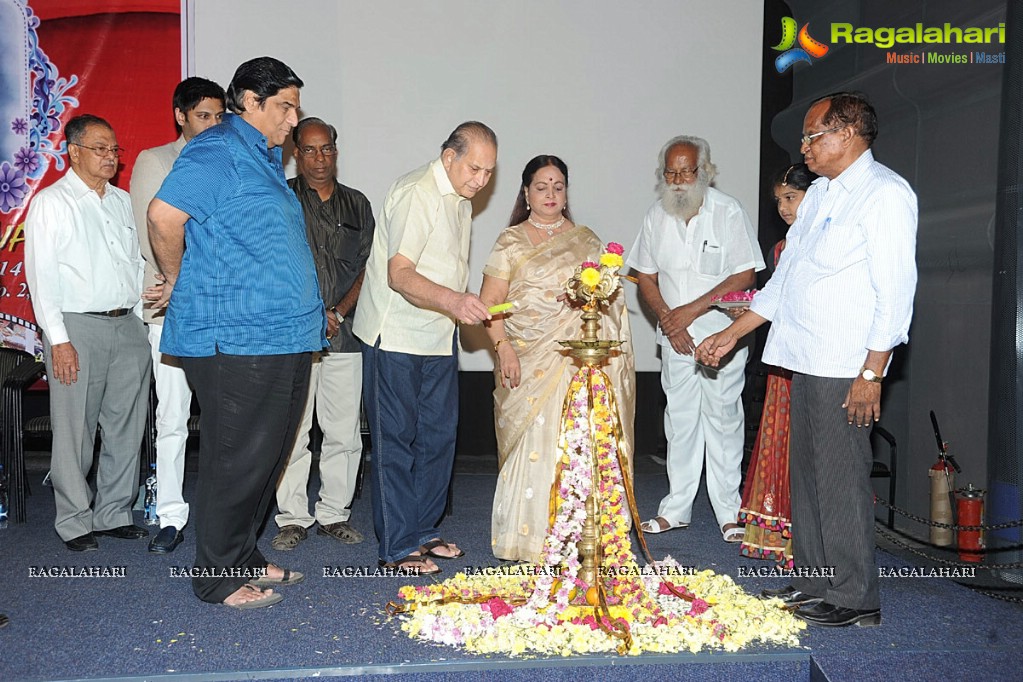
pixel 83 543
pixel 166 540
pixel 830 615
pixel 790 596
pixel 124 532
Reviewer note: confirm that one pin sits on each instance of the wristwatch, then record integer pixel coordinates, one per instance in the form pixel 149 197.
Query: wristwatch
pixel 871 376
pixel 339 316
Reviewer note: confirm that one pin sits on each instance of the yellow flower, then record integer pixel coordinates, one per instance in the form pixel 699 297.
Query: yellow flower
pixel 590 277
pixel 611 260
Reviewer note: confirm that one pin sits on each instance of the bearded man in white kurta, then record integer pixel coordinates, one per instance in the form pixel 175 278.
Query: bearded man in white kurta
pixel 696 243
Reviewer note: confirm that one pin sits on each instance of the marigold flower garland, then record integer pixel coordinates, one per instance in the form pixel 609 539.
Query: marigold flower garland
pixel 547 608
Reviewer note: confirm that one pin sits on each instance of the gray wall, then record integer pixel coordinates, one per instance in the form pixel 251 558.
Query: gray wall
pixel 601 84
pixel 938 129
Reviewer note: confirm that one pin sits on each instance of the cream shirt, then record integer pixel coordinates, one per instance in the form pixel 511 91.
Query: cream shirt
pixel 151 167
pixel 81 253
pixel 426 221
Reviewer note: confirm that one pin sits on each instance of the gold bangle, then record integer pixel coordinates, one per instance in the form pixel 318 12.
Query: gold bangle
pixel 498 344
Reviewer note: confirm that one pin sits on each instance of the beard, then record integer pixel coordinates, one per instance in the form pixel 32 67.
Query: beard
pixel 683 201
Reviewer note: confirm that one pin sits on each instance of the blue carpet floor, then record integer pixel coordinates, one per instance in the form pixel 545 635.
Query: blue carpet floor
pixel 148 624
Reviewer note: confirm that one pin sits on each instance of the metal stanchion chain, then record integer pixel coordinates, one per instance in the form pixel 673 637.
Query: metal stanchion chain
pixel 964 564
pixel 995 595
pixel 935 524
pixel 957 564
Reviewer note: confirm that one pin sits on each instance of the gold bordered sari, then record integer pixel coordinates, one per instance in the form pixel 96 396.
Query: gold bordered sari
pixel 527 417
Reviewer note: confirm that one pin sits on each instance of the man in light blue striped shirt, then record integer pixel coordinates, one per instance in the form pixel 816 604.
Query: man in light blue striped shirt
pixel 839 303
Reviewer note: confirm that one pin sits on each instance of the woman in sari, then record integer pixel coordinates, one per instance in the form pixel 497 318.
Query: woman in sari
pixel 528 266
pixel 766 504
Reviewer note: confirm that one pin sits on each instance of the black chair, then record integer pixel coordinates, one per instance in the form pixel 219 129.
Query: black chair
pixel 18 371
pixel 367 444
pixel 881 470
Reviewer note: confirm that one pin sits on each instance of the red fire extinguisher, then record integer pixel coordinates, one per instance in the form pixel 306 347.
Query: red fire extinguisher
pixel 970 508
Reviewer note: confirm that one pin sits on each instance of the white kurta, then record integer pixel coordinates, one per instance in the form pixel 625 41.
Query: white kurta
pixel 704 411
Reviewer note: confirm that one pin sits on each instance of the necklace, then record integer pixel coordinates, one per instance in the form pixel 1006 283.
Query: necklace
pixel 549 229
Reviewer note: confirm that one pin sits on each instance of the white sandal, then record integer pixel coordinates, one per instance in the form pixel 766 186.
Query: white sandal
pixel 653 527
pixel 734 534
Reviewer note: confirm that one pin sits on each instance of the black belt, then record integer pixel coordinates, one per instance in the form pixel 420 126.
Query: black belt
pixel 116 312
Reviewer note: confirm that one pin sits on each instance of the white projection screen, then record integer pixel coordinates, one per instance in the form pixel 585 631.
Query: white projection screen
pixel 602 84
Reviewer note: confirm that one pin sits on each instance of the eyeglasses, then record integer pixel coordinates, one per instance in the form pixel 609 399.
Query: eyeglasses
pixel 326 150
pixel 103 151
pixel 809 139
pixel 684 173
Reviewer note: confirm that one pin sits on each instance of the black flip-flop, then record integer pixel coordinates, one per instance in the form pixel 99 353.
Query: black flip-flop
pixel 403 565
pixel 427 549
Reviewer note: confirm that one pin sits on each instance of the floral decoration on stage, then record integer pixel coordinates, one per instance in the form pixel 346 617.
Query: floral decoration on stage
pixel 588 593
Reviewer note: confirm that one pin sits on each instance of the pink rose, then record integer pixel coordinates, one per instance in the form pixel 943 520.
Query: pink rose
pixel 698 607
pixel 615 247
pixel 736 296
pixel 589 264
pixel 498 607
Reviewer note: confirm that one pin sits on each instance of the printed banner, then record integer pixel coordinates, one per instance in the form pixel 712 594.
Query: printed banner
pixel 116 59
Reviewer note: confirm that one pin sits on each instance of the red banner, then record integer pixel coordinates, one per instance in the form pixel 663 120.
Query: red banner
pixel 117 59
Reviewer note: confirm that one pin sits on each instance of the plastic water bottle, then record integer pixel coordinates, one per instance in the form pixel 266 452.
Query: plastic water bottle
pixel 4 507
pixel 150 505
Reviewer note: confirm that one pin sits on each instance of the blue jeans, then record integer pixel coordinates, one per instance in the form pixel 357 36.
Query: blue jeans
pixel 412 405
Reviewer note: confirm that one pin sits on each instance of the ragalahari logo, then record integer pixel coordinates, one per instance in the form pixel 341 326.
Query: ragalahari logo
pixel 808 50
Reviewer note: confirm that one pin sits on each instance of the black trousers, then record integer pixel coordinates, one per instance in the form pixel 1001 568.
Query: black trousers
pixel 251 407
pixel 832 501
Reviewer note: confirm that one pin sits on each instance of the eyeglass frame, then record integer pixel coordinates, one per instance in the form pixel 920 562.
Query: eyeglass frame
pixel 103 151
pixel 685 174
pixel 310 152
pixel 808 140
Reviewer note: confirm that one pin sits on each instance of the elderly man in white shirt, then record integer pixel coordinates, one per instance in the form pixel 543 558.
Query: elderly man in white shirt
pixel 84 270
pixel 840 301
pixel 696 243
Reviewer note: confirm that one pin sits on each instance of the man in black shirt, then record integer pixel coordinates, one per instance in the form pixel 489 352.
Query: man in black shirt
pixel 339 225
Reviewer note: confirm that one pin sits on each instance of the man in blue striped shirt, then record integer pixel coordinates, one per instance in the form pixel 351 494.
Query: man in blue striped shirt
pixel 244 315
pixel 839 302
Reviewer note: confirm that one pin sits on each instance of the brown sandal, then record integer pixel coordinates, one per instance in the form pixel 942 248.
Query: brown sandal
pixel 289 578
pixel 268 600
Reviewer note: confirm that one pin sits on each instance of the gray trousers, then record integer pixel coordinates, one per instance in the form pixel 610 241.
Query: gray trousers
pixel 832 501
pixel 111 392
